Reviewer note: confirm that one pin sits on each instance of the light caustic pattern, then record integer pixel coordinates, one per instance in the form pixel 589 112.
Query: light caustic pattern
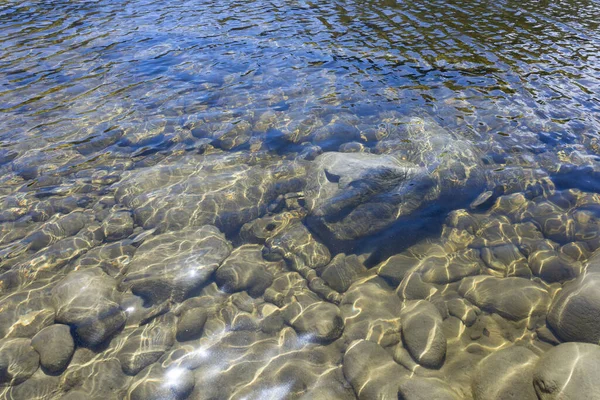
pixel 296 200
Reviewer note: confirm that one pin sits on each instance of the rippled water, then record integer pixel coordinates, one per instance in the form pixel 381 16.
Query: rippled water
pixel 288 199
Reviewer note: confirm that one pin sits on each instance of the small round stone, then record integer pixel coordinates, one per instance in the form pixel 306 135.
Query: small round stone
pixel 55 346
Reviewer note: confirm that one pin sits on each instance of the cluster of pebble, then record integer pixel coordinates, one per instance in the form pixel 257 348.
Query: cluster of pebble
pixel 200 275
pixel 503 305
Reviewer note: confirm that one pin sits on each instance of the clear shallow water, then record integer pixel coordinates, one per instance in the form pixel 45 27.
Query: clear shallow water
pixel 223 200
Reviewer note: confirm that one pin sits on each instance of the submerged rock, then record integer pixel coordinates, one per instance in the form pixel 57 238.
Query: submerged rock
pixel 144 345
pixel 575 312
pixel 113 258
pixel 245 269
pixel 513 298
pixel 371 371
pixel 506 374
pixel 505 260
pixel 172 265
pixel 342 271
pixel 553 267
pixel 55 346
pixel 156 383
pixel 395 268
pixel 215 190
pixel 353 195
pixel 318 320
pixel 569 371
pixel 295 241
pixel 18 361
pixel 422 333
pixel 418 388
pixel 371 311
pixel 118 225
pixel 88 301
pixel 190 324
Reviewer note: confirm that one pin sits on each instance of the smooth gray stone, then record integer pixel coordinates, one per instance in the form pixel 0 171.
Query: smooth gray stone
pixel 506 260
pixel 569 371
pixel 296 241
pixel 156 383
pixel 553 267
pixel 172 265
pixel 38 387
pixel 18 361
pixel 190 324
pixel 88 300
pixel 113 258
pixel 575 312
pixel 506 374
pixel 513 298
pixel 371 310
pixel 58 228
pixel 98 377
pixel 55 346
pixel 418 388
pixel 372 371
pixel 26 325
pixel 118 225
pixel 422 333
pixel 395 268
pixel 450 268
pixel 321 321
pixel 342 271
pixel 463 310
pixel 244 269
pixel 144 345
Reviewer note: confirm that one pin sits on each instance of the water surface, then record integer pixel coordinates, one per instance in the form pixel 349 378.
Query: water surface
pixel 280 199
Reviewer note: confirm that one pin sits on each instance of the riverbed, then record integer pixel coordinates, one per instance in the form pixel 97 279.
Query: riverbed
pixel 299 200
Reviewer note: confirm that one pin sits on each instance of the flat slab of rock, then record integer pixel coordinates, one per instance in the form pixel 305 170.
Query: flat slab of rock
pixel 219 190
pixel 353 195
pixel 88 300
pixel 513 298
pixel 171 265
pixel 569 371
